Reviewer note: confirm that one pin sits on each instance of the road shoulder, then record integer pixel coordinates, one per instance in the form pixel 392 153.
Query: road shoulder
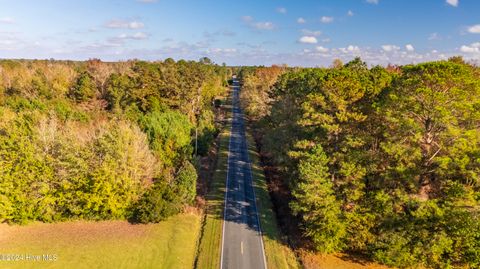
pixel 278 253
pixel 209 250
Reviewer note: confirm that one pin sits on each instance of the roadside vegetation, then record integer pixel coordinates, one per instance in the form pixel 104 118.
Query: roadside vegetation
pixel 381 163
pixel 277 251
pixel 209 249
pixel 102 141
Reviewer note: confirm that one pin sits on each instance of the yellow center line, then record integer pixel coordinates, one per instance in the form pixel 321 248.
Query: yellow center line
pixel 241 247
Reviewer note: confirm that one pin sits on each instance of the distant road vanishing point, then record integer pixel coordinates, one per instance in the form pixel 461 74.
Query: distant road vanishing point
pixel 242 244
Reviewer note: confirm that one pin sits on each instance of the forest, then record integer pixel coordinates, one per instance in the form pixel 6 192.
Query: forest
pixel 383 162
pixel 97 140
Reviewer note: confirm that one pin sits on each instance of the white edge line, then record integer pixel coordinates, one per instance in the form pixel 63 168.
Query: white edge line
pixel 226 185
pixel 255 197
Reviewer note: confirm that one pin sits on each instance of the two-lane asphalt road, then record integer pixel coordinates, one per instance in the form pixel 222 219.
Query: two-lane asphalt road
pixel 242 245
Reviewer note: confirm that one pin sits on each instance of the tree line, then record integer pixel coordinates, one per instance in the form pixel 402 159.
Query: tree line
pixel 96 140
pixel 381 161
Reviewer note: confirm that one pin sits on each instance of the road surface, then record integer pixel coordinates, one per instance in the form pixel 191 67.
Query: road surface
pixel 242 245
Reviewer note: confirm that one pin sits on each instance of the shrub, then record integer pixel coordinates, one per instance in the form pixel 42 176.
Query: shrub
pixel 186 183
pixel 157 204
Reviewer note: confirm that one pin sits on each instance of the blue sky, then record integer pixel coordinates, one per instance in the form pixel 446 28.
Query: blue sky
pixel 243 32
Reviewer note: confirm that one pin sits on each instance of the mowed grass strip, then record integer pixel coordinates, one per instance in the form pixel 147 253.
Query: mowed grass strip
pixel 104 245
pixel 278 254
pixel 210 243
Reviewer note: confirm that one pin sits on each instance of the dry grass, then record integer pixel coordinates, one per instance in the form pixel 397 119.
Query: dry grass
pixel 105 244
pixel 336 261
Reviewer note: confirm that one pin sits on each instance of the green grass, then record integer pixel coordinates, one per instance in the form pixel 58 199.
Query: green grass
pixel 106 244
pixel 210 244
pixel 279 255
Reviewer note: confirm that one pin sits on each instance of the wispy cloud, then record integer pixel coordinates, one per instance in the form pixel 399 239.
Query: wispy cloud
pixel 350 13
pixel 123 37
pixel 218 33
pixel 247 19
pixel 8 20
pixel 221 50
pixel 326 19
pixel 372 1
pixel 125 24
pixel 281 10
pixel 250 21
pixel 409 47
pixel 301 20
pixel 147 1
pixel 321 49
pixel 389 48
pixel 434 36
pixel 264 25
pixel 311 33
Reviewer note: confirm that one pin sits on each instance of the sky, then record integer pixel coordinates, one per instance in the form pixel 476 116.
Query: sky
pixel 242 32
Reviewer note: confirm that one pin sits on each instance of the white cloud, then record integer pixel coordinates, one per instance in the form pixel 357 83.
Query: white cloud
pixel 474 29
pixel 301 20
pixel 311 33
pixel 282 10
pixel 308 40
pixel 472 48
pixel 326 19
pixel 124 24
pixel 409 47
pixel 453 3
pixel 372 1
pixel 352 48
pixel 321 49
pixel 7 20
pixel 350 13
pixel 326 40
pixel 389 48
pixel 123 37
pixel 222 50
pixel 138 36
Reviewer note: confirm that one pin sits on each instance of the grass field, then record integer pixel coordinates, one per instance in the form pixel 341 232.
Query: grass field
pixel 209 248
pixel 107 244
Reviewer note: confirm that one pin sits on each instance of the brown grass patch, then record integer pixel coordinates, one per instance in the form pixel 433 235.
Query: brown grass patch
pixel 311 260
